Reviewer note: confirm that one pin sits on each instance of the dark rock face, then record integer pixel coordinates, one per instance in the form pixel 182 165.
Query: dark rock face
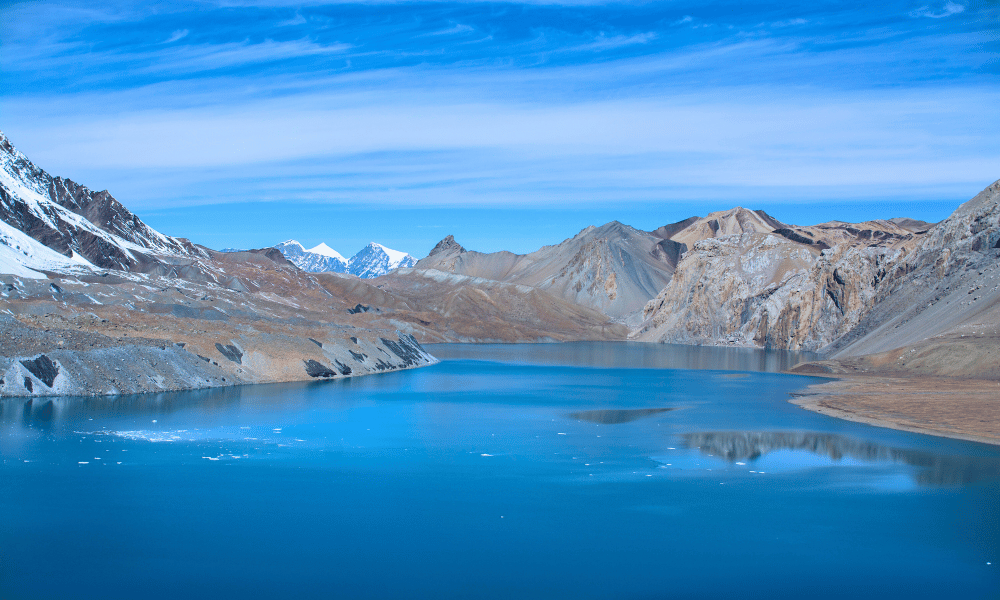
pixel 448 244
pixel 407 348
pixel 231 352
pixel 318 369
pixel 668 231
pixel 360 308
pixel 43 368
pixel 669 251
pixel 795 236
pixel 344 369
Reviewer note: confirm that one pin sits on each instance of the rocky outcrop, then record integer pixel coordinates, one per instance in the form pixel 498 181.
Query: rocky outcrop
pixel 944 285
pixel 761 290
pixel 835 287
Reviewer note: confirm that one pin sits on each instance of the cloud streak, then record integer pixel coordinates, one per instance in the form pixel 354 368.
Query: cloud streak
pixel 949 9
pixel 402 104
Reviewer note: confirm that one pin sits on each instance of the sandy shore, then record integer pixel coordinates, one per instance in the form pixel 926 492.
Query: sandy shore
pixel 961 408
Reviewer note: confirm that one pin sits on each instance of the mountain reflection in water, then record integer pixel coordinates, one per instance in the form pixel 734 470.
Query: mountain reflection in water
pixel 627 355
pixel 615 417
pixel 934 469
pixel 46 411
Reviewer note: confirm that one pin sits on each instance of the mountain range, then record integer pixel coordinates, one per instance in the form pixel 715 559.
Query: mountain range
pixel 89 286
pixel 373 260
pixel 93 302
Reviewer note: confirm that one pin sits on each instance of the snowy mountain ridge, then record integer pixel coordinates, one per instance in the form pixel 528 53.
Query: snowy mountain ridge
pixel 375 260
pixel 52 223
pixel 320 259
pixel 371 261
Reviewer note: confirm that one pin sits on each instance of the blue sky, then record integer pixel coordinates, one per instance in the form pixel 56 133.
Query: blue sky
pixel 511 125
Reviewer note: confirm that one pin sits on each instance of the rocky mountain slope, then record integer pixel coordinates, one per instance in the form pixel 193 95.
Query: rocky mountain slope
pixel 845 289
pixel 718 224
pixel 614 268
pixel 85 227
pixel 256 319
pixel 446 307
pixel 936 309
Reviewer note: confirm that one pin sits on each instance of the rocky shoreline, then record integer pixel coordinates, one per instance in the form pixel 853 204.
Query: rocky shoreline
pixel 62 362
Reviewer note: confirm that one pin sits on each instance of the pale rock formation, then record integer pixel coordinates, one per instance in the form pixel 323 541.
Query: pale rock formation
pixel 845 289
pixel 762 290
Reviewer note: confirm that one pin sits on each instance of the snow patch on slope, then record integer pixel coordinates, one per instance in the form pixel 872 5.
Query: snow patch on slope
pixel 23 256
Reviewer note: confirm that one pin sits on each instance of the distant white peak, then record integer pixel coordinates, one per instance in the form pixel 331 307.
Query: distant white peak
pixel 325 250
pixel 292 243
pixel 395 256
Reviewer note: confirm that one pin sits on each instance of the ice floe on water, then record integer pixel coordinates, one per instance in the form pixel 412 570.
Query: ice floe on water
pixel 141 435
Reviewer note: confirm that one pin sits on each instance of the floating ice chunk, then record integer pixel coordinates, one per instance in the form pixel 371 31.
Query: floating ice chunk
pixel 83 462
pixel 560 434
pixel 485 455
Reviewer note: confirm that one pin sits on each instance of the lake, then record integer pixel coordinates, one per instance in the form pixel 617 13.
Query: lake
pixel 584 470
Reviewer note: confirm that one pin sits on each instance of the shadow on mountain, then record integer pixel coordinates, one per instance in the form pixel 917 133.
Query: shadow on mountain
pixel 933 469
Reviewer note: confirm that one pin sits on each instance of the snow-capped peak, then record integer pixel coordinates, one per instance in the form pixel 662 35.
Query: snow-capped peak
pixel 395 256
pixel 372 261
pixel 375 259
pixel 320 259
pixel 324 250
pixel 288 243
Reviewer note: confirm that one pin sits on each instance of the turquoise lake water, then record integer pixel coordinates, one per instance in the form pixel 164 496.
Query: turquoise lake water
pixel 588 470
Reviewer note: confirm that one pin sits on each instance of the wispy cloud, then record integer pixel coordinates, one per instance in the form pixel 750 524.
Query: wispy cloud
pixel 457 28
pixel 789 22
pixel 949 8
pixel 298 19
pixel 204 57
pixel 179 34
pixel 604 42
